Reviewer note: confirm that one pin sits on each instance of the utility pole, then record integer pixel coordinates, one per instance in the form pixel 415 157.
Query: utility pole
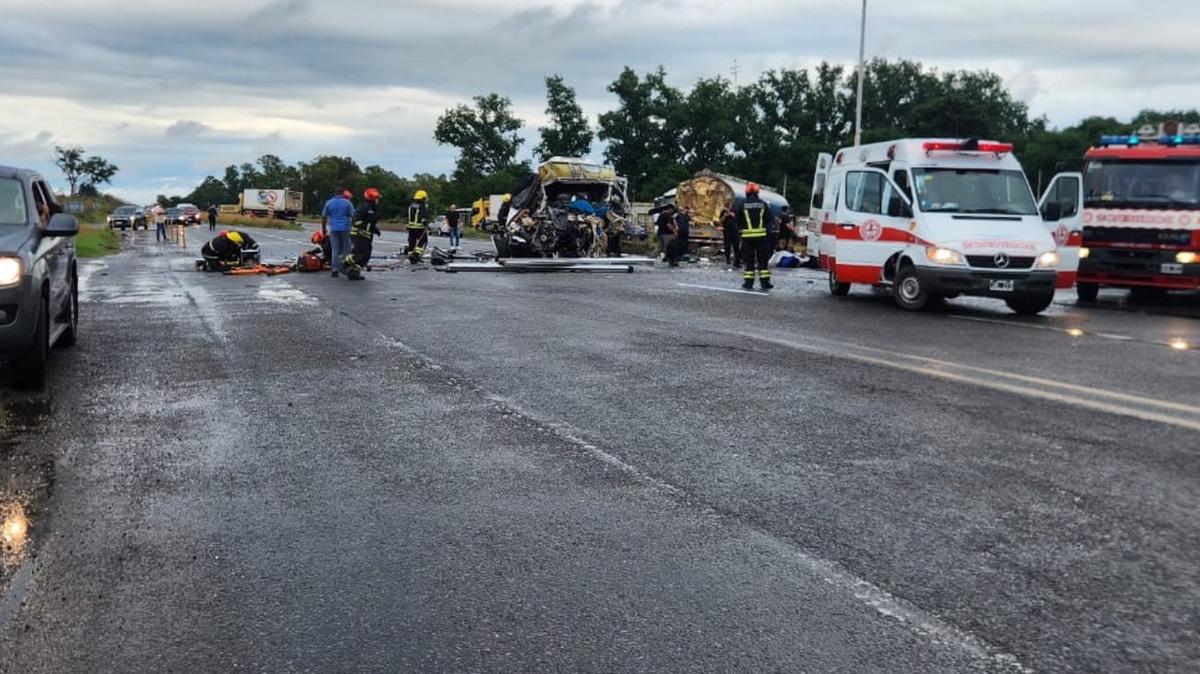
pixel 858 103
pixel 736 69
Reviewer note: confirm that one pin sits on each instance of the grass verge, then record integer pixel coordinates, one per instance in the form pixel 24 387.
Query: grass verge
pixel 96 240
pixel 231 220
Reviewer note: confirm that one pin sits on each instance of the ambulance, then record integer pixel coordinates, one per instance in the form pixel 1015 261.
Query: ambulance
pixel 935 218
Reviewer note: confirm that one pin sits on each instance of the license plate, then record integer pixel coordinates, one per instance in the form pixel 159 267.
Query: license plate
pixel 1172 269
pixel 1000 286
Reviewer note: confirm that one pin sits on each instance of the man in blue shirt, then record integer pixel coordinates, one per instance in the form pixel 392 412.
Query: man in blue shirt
pixel 336 218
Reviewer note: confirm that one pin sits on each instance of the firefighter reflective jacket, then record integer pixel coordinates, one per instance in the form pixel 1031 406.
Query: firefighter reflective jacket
pixel 418 215
pixel 755 218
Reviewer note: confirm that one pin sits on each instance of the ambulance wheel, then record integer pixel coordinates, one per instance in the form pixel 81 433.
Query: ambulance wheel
pixel 908 292
pixel 837 288
pixel 1030 305
pixel 1087 292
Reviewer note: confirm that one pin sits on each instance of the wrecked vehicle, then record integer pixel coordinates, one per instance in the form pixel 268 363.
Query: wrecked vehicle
pixel 709 193
pixel 566 209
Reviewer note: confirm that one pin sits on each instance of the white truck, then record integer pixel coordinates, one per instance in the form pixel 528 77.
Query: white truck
pixel 282 204
pixel 935 218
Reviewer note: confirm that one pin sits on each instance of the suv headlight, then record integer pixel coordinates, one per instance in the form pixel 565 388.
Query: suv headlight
pixel 1047 260
pixel 10 271
pixel 943 256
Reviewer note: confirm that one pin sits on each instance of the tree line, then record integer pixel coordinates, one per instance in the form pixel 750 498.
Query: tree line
pixel 657 135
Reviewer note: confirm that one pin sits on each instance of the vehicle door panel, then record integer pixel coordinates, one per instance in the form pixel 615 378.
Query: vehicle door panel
pixel 818 210
pixel 872 225
pixel 1066 190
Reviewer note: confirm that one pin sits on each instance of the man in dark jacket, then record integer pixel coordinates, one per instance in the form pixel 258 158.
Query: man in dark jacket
pixel 733 242
pixel 755 221
pixel 212 217
pixel 362 235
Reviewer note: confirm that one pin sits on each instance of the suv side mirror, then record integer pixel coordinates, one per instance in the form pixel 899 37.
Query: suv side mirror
pixel 1052 211
pixel 62 224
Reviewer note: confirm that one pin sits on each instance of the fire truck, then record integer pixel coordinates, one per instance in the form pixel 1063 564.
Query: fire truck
pixel 1141 215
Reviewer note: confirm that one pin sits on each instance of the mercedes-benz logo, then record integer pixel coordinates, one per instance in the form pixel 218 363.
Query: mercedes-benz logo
pixel 1001 260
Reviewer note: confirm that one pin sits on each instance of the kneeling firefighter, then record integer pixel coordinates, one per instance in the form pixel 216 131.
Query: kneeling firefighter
pixel 754 220
pixel 224 252
pixel 316 259
pixel 418 226
pixel 362 234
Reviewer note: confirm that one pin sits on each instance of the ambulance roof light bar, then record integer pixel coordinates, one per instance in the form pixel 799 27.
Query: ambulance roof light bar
pixel 971 145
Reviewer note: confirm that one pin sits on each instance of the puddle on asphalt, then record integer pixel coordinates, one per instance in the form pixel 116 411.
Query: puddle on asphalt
pixel 27 474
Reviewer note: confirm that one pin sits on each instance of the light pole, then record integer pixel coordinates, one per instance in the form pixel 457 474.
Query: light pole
pixel 862 46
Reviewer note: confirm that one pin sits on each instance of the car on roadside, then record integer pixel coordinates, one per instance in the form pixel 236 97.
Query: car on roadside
pixel 176 216
pixel 440 226
pixel 126 217
pixel 39 282
pixel 192 215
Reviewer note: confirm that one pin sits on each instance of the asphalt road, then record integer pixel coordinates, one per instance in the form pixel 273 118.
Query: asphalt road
pixel 642 472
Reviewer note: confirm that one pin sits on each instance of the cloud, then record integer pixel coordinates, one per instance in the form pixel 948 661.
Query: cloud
pixel 186 127
pixel 202 85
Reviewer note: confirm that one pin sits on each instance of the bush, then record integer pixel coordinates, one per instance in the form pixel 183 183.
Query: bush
pixel 96 240
pixel 235 220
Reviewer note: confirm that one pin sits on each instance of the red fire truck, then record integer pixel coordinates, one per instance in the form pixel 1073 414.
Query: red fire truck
pixel 1141 216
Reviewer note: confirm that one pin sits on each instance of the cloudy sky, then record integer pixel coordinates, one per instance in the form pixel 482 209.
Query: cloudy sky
pixel 173 90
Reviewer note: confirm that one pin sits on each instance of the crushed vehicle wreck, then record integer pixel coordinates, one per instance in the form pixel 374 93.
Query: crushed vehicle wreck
pixel 568 208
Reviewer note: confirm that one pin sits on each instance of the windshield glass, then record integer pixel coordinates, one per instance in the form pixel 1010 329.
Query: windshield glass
pixel 12 203
pixel 125 210
pixel 1142 184
pixel 947 190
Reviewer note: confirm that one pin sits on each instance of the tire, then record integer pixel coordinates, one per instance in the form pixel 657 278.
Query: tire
pixel 1030 305
pixel 836 288
pixel 31 373
pixel 907 291
pixel 1087 292
pixel 71 334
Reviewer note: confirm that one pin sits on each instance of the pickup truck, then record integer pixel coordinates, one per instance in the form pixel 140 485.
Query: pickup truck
pixel 39 283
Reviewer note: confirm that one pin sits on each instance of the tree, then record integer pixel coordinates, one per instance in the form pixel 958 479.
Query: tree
pixel 70 160
pixel 97 171
pixel 708 123
pixel 233 184
pixel 211 191
pixel 568 134
pixel 643 133
pixel 324 175
pixel 486 136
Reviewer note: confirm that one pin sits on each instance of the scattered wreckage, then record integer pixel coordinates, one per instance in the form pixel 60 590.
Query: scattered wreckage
pixel 567 209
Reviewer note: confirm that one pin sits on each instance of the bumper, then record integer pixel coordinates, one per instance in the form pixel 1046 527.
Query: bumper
pixel 952 281
pixel 17 314
pixel 1138 269
pixel 118 223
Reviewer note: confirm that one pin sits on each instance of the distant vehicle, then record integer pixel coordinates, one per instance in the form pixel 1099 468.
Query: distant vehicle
pixel 192 215
pixel 1140 223
pixel 708 193
pixel 935 218
pixel 126 217
pixel 440 226
pixel 39 287
pixel 282 204
pixel 176 216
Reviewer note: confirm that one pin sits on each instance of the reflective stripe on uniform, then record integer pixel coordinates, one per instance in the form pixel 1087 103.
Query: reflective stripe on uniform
pixel 752 231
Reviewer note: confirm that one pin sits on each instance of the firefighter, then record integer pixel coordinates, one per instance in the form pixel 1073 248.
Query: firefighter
pixel 418 226
pixel 224 252
pixel 754 221
pixel 315 259
pixel 362 234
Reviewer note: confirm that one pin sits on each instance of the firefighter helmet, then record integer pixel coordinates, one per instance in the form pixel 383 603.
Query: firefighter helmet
pixel 421 195
pixel 371 194
pixel 234 237
pixel 751 188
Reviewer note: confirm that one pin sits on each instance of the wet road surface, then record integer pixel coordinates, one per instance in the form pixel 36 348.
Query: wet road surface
pixel 641 472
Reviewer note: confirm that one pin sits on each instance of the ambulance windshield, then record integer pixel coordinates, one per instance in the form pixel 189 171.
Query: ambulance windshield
pixel 956 190
pixel 1142 184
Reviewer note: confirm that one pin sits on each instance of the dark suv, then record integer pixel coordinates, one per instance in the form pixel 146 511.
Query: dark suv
pixel 39 288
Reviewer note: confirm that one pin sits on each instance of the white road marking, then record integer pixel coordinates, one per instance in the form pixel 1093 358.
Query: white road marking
pixel 739 291
pixel 861 589
pixel 931 367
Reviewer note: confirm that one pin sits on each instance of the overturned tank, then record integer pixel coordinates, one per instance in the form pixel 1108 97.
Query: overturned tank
pixel 568 208
pixel 708 193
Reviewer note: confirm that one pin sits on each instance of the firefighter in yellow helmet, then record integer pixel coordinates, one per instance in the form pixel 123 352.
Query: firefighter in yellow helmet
pixel 224 252
pixel 418 226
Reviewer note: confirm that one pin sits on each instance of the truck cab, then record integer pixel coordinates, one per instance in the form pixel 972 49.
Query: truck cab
pixel 935 218
pixel 1141 212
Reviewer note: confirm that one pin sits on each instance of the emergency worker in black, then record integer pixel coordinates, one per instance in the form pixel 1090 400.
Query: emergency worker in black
pixel 418 226
pixel 754 220
pixel 363 231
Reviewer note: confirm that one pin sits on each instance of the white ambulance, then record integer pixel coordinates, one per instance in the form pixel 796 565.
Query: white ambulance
pixel 935 218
